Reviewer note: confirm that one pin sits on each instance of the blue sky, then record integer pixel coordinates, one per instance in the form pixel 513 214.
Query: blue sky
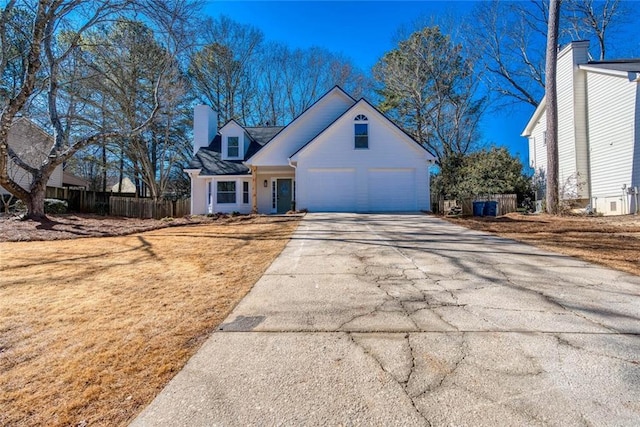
pixel 363 31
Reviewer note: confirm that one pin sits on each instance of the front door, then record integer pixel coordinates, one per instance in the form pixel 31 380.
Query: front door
pixel 284 195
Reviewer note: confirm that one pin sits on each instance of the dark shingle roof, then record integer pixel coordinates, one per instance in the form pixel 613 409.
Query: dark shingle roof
pixel 209 159
pixel 260 136
pixel 211 163
pixel 628 65
pixel 263 134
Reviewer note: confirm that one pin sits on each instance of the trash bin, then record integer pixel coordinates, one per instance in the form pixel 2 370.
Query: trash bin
pixel 478 208
pixel 491 208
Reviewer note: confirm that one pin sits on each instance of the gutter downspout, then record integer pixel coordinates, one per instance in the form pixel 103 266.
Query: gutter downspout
pixel 430 163
pixel 295 178
pixel 193 173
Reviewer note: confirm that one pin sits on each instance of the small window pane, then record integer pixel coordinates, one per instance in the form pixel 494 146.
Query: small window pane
pixel 361 135
pixel 245 192
pixel 232 146
pixel 226 192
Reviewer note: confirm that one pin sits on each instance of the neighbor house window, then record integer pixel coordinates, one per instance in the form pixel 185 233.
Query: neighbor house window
pixel 245 192
pixel 226 192
pixel 361 131
pixel 233 148
pixel 544 137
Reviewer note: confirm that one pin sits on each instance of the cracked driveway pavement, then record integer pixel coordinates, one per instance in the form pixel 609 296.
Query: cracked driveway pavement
pixel 410 320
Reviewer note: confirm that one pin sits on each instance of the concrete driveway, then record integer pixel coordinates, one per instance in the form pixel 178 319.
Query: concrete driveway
pixel 409 320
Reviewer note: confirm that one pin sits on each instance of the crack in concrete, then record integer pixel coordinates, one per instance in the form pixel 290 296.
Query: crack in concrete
pixel 563 341
pixel 402 383
pixel 550 299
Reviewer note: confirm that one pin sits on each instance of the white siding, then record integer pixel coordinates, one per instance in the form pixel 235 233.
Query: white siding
pixel 55 180
pixel 566 125
pixel 204 192
pixel 572 144
pixel 303 129
pixel 265 194
pixel 615 145
pixel 389 149
pixel 537 145
pixel 199 194
pixel 232 129
pixel 239 205
pixel 581 143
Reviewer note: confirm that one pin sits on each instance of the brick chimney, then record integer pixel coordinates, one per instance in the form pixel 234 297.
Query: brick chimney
pixel 205 126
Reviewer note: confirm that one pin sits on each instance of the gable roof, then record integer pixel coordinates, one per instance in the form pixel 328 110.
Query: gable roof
pixel 533 121
pixel 209 160
pixel 335 89
pixel 361 101
pixel 627 68
pixel 260 136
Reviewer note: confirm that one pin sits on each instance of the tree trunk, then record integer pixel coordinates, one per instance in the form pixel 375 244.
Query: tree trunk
pixel 552 108
pixel 121 168
pixel 35 200
pixel 104 166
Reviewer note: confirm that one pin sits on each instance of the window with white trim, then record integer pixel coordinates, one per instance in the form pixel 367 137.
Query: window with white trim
pixel 245 192
pixel 274 198
pixel 233 146
pixel 226 192
pixel 361 132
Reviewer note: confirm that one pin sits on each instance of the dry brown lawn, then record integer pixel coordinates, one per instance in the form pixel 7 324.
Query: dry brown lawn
pixel 610 241
pixel 92 329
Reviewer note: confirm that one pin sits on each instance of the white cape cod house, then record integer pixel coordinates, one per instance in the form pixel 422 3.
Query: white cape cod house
pixel 339 155
pixel 598 131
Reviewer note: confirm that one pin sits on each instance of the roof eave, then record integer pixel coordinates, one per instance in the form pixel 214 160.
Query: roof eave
pixel 535 118
pixel 192 171
pixel 336 88
pixel 601 70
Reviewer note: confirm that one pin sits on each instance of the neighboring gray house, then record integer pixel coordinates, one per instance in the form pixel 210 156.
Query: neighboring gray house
pixel 32 144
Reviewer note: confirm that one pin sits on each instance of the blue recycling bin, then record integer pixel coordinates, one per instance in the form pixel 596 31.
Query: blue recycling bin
pixel 478 208
pixel 491 208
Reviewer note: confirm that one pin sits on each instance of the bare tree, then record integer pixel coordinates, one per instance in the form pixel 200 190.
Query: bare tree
pixel 589 18
pixel 55 31
pixel 430 89
pixel 552 107
pixel 220 70
pixel 125 61
pixel 509 39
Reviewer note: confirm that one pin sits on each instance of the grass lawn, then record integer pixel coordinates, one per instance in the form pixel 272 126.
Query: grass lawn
pixel 612 241
pixel 92 329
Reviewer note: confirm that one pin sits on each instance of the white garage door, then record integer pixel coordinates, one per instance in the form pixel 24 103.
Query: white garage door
pixel 392 190
pixel 332 190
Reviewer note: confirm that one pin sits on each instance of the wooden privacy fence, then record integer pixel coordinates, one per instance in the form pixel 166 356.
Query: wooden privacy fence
pixel 148 208
pixel 506 203
pixel 80 200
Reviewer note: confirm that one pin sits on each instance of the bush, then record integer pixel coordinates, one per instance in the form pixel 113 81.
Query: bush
pixel 51 206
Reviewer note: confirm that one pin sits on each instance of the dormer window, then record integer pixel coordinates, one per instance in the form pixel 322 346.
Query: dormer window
pixel 361 132
pixel 233 147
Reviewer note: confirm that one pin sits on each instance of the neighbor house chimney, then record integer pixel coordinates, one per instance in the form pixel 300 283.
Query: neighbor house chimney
pixel 205 126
